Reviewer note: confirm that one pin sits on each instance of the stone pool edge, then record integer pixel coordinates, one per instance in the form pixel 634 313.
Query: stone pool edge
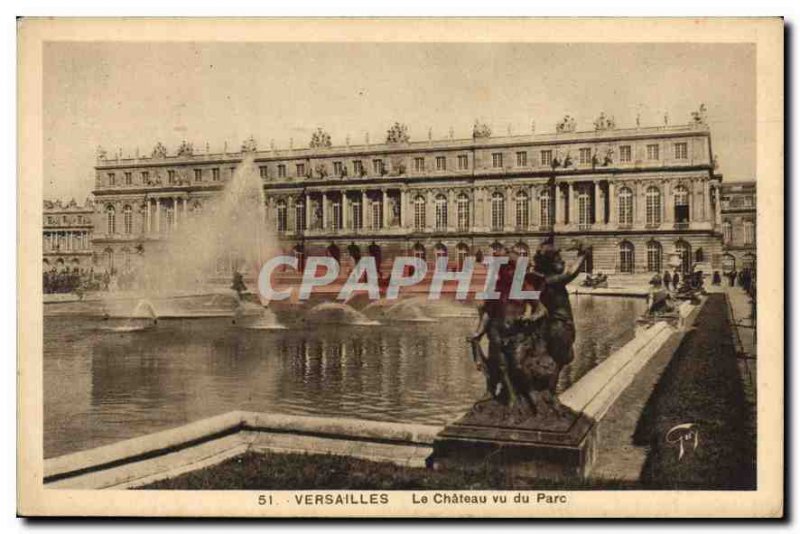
pixel 143 460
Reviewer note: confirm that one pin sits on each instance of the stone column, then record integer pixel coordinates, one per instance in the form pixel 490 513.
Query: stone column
pixel 324 210
pixel 147 221
pixel 307 199
pixel 598 206
pixel 612 203
pixel 430 211
pixel 175 202
pixel 669 203
pixel 345 210
pixel 707 202
pixel 571 196
pixel 559 204
pixel 451 211
pixel 158 215
pixel 533 222
pixel 385 208
pixel 403 207
pixel 364 211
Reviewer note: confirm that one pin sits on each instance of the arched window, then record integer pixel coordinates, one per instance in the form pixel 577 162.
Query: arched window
pixel 299 215
pixel 111 220
pixel 109 253
pixel 545 209
pixel 419 213
pixel 522 249
pixel 625 206
pixel 521 209
pixel 127 219
pixel 281 213
pixel 377 213
pixel 498 210
pixel 684 250
pixel 728 263
pixel 462 251
pixel 653 206
pixel 748 233
pixel 584 208
pixel 654 263
pixel 462 212
pixel 681 208
pixel 440 250
pixel 497 247
pixel 357 213
pixel 336 214
pixel 626 257
pixel 727 232
pixel 441 212
pixel 419 251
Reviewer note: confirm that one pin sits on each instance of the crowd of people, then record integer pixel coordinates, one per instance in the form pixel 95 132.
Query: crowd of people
pixel 79 281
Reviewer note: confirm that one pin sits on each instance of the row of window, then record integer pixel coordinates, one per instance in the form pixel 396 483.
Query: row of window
pixel 748 232
pixel 585 157
pixel 66 242
pixel 172 177
pixel 65 220
pixel 653 209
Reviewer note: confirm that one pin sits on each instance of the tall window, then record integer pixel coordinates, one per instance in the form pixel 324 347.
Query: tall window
pixel 625 153
pixel 462 212
pixel 337 168
pixel 440 204
pixel 748 229
pixel 652 152
pixel 336 214
pixel 215 173
pixel 681 151
pixel 653 205
pixel 300 214
pixel 684 250
pixel 441 163
pixel 584 208
pixel 522 210
pixel 281 172
pixel 263 172
pixel 377 167
pixel 127 219
pixel 419 251
pixel 301 169
pixel 358 167
pixel 357 213
pixel 419 213
pixel 282 219
pixel 377 214
pixel 497 160
pixel 727 232
pixel 112 179
pixel 545 208
pixel 522 159
pixel 585 156
pixel 128 178
pixel 198 175
pixel 462 250
pixel 498 211
pixel 546 157
pixel 681 204
pixel 463 163
pixel 111 220
pixel 171 177
pixel 626 257
pixel 654 257
pixel 625 206
pixel 419 164
pixel 145 177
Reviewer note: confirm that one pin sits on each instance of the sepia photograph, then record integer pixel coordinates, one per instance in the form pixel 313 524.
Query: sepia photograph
pixel 420 276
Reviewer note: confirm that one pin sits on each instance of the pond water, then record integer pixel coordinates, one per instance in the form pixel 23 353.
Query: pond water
pixel 102 385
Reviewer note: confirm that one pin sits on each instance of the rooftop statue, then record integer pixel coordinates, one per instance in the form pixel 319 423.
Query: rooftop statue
pixel 159 151
pixel 320 139
pixel 481 130
pixel 185 150
pixel 397 134
pixel 566 125
pixel 249 144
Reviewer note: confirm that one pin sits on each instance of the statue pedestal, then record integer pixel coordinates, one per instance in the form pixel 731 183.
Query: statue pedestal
pixel 553 446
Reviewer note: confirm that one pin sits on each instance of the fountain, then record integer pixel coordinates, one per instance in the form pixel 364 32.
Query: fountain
pixel 337 313
pixel 404 311
pixel 177 278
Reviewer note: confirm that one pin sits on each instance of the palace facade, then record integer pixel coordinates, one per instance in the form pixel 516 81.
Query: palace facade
pixel 636 194
pixel 67 235
pixel 738 225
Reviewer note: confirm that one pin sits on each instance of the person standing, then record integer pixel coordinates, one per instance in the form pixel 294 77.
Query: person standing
pixel 667 280
pixel 676 280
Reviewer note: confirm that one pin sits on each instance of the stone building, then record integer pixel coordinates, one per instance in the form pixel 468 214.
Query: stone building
pixel 636 194
pixel 67 235
pixel 738 227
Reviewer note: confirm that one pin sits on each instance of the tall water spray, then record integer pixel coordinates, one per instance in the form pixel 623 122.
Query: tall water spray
pixel 219 233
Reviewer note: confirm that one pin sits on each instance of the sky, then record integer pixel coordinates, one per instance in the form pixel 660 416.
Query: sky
pixel 129 96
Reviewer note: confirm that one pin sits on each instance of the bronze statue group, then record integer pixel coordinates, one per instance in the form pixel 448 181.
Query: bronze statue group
pixel 530 341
